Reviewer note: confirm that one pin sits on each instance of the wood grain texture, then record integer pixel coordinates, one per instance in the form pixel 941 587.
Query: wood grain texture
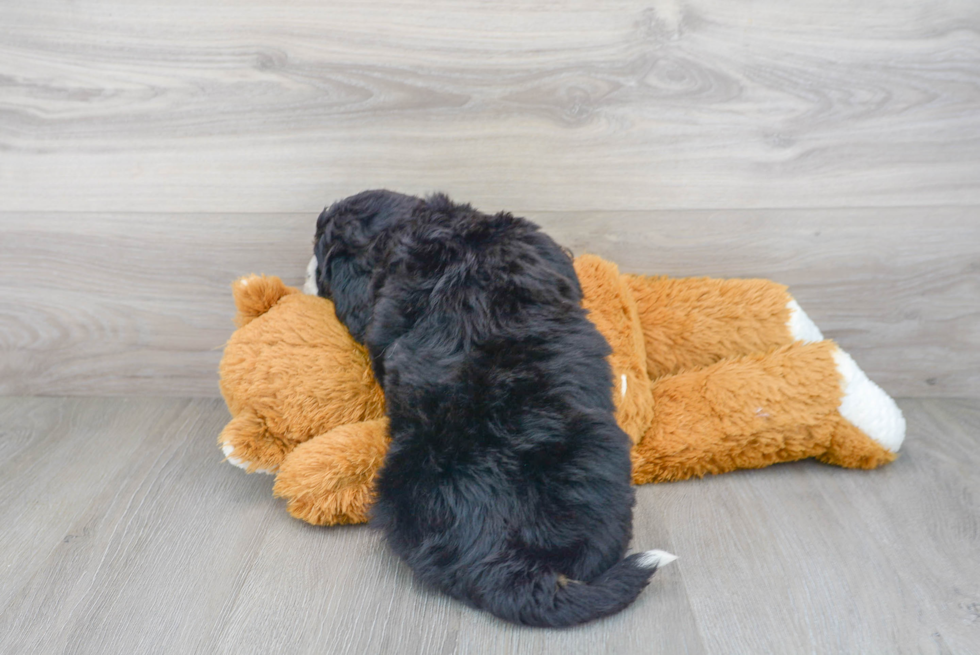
pixel 119 305
pixel 105 304
pixel 125 532
pixel 184 106
pixel 868 549
pixel 42 470
pixel 897 288
pixel 152 151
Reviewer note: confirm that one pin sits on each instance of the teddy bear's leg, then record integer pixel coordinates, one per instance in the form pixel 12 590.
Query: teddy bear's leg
pixel 329 479
pixel 248 444
pixel 689 322
pixel 865 409
pixel 797 401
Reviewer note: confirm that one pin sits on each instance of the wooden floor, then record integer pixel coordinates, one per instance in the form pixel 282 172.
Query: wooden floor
pixel 124 532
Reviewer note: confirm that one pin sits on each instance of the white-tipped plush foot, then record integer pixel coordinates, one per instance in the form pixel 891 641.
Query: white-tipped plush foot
pixel 654 559
pixel 867 406
pixel 309 287
pixel 228 449
pixel 800 325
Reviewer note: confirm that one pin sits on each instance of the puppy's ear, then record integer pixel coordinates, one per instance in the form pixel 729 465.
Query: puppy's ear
pixel 322 250
pixel 351 292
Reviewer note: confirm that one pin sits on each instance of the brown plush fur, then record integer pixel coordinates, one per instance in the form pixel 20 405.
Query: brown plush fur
pixel 714 383
pixel 750 412
pixel 731 318
pixel 354 452
pixel 290 373
pixel 616 316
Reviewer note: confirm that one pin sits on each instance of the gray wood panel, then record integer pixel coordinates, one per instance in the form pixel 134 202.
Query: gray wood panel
pixel 183 105
pixel 106 304
pixel 125 532
pixel 897 288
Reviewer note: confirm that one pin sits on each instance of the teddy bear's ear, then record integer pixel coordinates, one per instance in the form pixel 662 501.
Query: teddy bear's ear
pixel 256 294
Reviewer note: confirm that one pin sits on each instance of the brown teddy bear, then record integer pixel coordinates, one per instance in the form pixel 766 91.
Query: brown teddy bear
pixel 709 376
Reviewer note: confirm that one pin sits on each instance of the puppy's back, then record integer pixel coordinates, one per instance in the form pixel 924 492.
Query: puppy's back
pixel 508 481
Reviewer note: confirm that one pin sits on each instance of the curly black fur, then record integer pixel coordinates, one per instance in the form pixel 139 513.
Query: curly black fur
pixel 507 484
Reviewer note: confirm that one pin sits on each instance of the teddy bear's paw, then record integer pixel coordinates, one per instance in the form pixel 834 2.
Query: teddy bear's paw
pixel 867 406
pixel 800 326
pixel 249 467
pixel 248 444
pixel 322 490
pixel 329 480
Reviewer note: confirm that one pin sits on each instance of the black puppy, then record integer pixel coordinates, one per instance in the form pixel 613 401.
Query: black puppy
pixel 507 484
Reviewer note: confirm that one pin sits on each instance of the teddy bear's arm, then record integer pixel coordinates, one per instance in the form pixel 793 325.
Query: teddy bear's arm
pixel 248 443
pixel 794 402
pixel 690 322
pixel 329 479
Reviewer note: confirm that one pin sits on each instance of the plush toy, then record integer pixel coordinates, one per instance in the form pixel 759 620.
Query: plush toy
pixel 709 376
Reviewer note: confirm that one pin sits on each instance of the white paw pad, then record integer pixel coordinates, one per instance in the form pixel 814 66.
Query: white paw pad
pixel 228 449
pixel 800 325
pixel 867 406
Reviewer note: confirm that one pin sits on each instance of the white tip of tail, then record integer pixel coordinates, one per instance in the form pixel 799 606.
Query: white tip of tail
pixel 654 559
pixel 800 326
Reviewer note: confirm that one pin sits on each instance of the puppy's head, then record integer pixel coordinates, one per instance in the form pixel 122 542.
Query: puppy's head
pixel 349 247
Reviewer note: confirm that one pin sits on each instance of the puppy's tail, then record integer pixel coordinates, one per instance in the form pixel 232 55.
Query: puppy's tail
pixel 551 600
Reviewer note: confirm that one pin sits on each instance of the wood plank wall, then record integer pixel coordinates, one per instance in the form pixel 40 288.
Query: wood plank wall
pixel 152 151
